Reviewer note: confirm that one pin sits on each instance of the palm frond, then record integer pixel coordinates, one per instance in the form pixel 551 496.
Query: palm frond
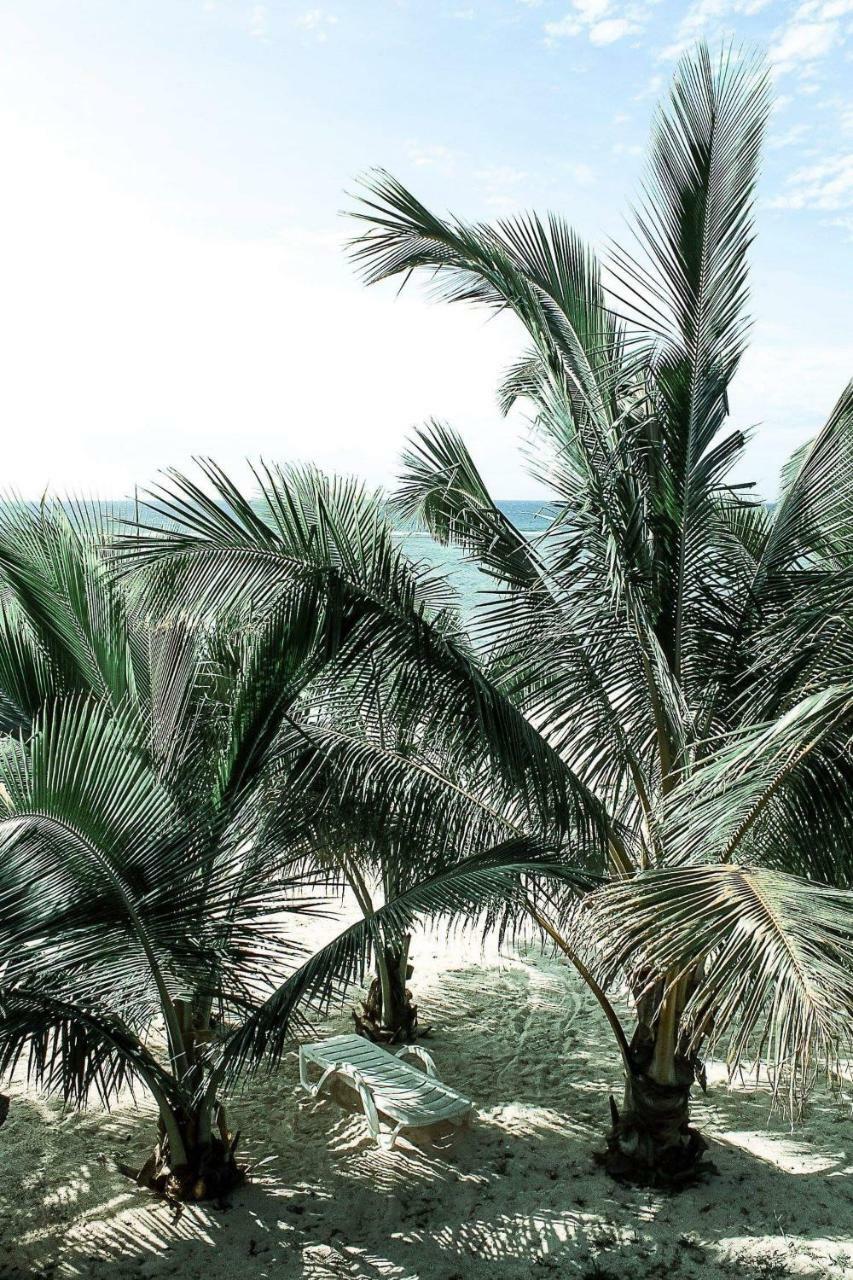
pixel 761 789
pixel 326 554
pixel 695 228
pixel 442 490
pixel 775 954
pixel 489 887
pixel 75 1049
pixel 75 632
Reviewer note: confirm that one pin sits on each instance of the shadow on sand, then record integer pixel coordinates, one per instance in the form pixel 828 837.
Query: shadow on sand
pixel 519 1197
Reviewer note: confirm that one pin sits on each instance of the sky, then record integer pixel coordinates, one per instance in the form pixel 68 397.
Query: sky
pixel 173 280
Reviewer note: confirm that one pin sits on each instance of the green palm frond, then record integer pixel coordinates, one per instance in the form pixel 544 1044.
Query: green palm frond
pixel 760 794
pixel 539 270
pixel 75 1049
pixel 443 491
pixel 695 227
pixel 793 623
pixel 490 888
pixel 58 593
pixel 326 553
pixel 775 954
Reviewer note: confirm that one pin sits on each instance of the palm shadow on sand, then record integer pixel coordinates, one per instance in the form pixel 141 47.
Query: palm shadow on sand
pixel 520 1195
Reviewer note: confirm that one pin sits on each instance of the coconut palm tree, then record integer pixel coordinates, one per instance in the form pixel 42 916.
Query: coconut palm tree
pixel 168 803
pixel 394 811
pixel 395 804
pixel 659 685
pixel 138 875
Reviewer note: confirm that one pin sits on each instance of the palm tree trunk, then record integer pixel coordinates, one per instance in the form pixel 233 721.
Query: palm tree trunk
pixel 190 1161
pixel 388 1013
pixel 651 1140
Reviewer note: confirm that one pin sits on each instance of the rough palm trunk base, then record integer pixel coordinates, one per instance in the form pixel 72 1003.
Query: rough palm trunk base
pixel 651 1141
pixel 210 1172
pixel 398 1022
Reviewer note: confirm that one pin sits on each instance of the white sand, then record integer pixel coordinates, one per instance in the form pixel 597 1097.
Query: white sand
pixel 519 1197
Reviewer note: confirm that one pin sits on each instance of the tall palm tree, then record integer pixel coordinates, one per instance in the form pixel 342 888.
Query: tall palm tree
pixel 659 685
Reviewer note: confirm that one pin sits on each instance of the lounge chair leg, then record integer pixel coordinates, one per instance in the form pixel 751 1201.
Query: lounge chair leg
pixel 385 1140
pixel 371 1115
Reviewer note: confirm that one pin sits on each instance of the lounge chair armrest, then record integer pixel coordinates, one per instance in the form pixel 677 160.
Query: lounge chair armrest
pixel 314 1087
pixel 415 1051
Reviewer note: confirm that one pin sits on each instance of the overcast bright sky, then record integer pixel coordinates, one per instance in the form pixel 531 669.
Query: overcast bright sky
pixel 172 279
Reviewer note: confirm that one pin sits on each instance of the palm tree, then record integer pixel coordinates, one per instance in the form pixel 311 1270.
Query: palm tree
pixel 377 860
pixel 393 812
pixel 167 803
pixel 678 643
pixel 138 874
pixel 659 685
pixel 395 804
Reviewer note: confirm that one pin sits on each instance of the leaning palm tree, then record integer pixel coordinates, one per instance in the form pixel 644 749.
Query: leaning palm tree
pixel 658 685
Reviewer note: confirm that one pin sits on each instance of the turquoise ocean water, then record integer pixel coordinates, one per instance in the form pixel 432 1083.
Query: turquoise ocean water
pixel 528 517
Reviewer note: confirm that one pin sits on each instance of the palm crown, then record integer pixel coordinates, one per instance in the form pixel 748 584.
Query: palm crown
pixel 139 874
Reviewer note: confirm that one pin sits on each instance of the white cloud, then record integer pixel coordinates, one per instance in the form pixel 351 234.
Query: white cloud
pixel 316 22
pixel 602 21
pixel 707 17
pixel 802 42
pixel 827 185
pixel 432 155
pixel 259 22
pixel 612 29
pixel 501 175
pixel 500 185
pixel 591 10
pixel 568 26
pixel 813 32
pixel 825 10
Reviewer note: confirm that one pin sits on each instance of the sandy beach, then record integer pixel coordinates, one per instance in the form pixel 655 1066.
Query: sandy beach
pixel 518 1196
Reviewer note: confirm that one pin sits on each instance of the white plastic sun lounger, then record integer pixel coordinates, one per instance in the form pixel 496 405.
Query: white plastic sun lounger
pixel 387 1086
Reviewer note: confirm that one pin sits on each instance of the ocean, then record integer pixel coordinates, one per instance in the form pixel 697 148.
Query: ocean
pixel 527 516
